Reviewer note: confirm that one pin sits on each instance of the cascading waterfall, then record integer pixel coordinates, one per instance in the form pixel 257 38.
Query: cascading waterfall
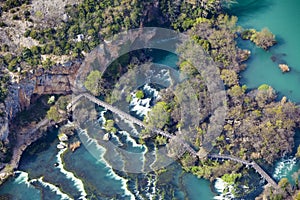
pixel 53 188
pixel 284 167
pixel 77 182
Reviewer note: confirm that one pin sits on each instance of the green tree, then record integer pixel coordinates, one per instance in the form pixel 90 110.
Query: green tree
pixel 236 91
pixel 231 178
pixel 298 152
pixel 263 87
pixel 158 116
pixel 53 114
pixel 229 77
pixel 139 94
pixel 93 82
pixel 109 126
pixel 263 39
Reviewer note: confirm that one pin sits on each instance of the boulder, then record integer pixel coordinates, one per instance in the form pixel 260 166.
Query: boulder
pixel 106 137
pixel 284 67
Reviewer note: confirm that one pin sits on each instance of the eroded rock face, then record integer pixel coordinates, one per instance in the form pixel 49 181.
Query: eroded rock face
pixel 52 84
pixel 19 97
pixel 58 80
pixel 3 123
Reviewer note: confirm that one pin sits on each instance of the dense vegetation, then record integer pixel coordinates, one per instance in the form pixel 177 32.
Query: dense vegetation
pixel 257 126
pixel 4 81
pixel 88 24
pixel 264 39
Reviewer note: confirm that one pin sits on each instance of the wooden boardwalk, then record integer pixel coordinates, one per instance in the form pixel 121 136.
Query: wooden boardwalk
pixel 187 147
pixel 252 164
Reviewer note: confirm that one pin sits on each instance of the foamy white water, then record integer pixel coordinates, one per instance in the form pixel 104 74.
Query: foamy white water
pixel 131 140
pixel 54 189
pixel 102 119
pixel 151 187
pixel 99 150
pixel 142 106
pixel 23 178
pixel 284 167
pixel 69 175
pixel 220 186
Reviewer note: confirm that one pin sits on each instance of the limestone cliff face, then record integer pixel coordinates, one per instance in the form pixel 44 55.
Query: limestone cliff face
pixel 57 80
pixel 52 84
pixel 19 97
pixel 3 123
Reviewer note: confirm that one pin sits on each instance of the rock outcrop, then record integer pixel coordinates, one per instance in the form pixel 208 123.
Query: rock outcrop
pixel 3 123
pixel 19 97
pixel 284 68
pixel 57 80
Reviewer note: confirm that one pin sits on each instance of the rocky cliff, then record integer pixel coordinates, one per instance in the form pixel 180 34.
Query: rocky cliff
pixel 57 80
pixel 3 123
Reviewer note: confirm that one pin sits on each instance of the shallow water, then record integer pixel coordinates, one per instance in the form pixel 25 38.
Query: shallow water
pixel 101 182
pixel 282 19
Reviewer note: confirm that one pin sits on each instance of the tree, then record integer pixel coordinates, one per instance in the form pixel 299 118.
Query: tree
pixel 53 114
pixel 263 87
pixel 139 94
pixel 93 82
pixel 236 91
pixel 298 152
pixel 109 126
pixel 158 116
pixel 51 100
pixel 229 77
pixel 263 39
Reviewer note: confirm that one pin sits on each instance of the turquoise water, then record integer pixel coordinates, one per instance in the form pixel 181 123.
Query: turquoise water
pixel 100 182
pixel 282 19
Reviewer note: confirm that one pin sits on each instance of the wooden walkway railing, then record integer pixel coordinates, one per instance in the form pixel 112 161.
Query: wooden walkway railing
pixel 252 164
pixel 187 147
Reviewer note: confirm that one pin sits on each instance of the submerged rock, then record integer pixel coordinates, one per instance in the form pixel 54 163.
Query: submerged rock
pixel 74 146
pixel 63 137
pixel 107 137
pixel 284 67
pixel 61 146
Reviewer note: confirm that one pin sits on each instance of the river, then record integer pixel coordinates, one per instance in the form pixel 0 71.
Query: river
pixel 82 173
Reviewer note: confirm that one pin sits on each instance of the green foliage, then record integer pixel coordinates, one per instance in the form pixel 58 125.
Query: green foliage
pixel 263 39
pixel 2 24
pixel 93 82
pixel 187 160
pixel 236 91
pixel 9 4
pixel 298 152
pixel 139 94
pixel 53 114
pixel 160 140
pixel 247 34
pixel 63 102
pixel 109 126
pixel 4 81
pixel 51 100
pixel 183 15
pixel 297 197
pixel 158 116
pixel 229 77
pixel 188 69
pixel 283 183
pixel 47 64
pixel 15 17
pixel 231 178
pixel 263 87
